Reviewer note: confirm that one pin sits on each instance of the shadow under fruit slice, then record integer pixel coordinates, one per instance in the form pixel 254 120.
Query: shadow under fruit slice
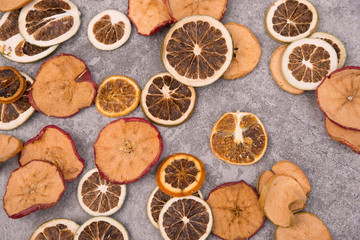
pixel 307 226
pixel 33 186
pixel 184 217
pixel 54 145
pixel 9 5
pixel 263 179
pixel 71 87
pixel 12 85
pixel 9 147
pixel 166 101
pixel 339 97
pixel 99 197
pixel 236 211
pixel 126 149
pixel 56 229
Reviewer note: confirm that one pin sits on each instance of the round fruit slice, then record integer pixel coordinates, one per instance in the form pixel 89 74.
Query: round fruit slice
pixel 12 85
pixel 101 228
pixel 306 62
pixel 166 101
pixel 9 5
pixel 236 211
pixel 276 72
pixel 117 96
pixel 46 23
pixel 16 113
pixel 156 202
pixel 335 43
pixel 239 138
pixel 181 9
pixel 56 229
pixel 291 20
pixel 99 197
pixel 339 97
pixel 247 51
pixel 109 30
pixel 9 147
pixel 197 50
pixel 180 175
pixel 126 149
pixel 307 226
pixel 263 179
pixel 187 216
pixel 36 185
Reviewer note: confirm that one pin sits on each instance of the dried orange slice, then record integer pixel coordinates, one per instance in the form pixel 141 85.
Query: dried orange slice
pixel 166 101
pixel 12 85
pixel 56 229
pixel 239 138
pixel 117 96
pixel 180 175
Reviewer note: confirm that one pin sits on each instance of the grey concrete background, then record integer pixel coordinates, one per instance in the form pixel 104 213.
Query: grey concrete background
pixel 294 124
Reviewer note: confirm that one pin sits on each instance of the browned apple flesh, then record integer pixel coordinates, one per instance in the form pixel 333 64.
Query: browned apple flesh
pixel 264 177
pixel 9 147
pixel 36 185
pixel 9 5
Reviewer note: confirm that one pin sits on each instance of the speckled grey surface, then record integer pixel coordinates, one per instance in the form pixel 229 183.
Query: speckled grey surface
pixel 294 124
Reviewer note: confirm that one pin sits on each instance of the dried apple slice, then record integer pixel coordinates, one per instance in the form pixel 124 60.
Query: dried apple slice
pixel 9 147
pixel 54 145
pixel 33 186
pixel 56 229
pixel 9 5
pixel 263 179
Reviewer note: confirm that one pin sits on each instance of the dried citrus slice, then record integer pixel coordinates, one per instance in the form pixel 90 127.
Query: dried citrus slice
pixel 166 101
pixel 197 50
pixel 291 20
pixel 33 186
pixel 126 149
pixel 306 62
pixel 9 5
pixel 117 96
pixel 12 85
pixel 99 197
pixel 239 138
pixel 56 229
pixel 180 175
pixel 9 147
pixel 186 216
pixel 236 211
pixel 247 51
pixel 101 228
pixel 46 23
pixel 156 202
pixel 109 30
pixel 339 97
pixel 181 9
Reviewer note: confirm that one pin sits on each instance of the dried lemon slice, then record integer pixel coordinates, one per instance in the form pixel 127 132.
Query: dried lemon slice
pixel 12 85
pixel 56 229
pixel 239 138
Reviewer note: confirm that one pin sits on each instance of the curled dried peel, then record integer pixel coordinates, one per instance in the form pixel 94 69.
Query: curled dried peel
pixel 9 147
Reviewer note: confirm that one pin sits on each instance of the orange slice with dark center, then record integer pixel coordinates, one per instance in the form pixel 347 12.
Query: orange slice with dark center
pixel 56 229
pixel 12 85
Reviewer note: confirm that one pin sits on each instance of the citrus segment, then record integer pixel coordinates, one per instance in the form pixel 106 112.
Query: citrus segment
pixel 12 85
pixel 239 138
pixel 9 147
pixel 9 5
pixel 180 175
pixel 57 229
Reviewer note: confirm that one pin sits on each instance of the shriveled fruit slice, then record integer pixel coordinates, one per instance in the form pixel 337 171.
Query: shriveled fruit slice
pixel 109 30
pixel 46 23
pixel 307 226
pixel 276 71
pixel 148 16
pixel 33 186
pixel 306 62
pixel 291 20
pixel 280 197
pixel 186 216
pixel 71 87
pixel 166 101
pixel 101 228
pixel 126 149
pixel 13 46
pixel 180 175
pixel 247 51
pixel 54 145
pixel 335 43
pixel 181 9
pixel 156 202
pixel 99 197
pixel 9 147
pixel 12 85
pixel 263 179
pixel 117 96
pixel 9 5
pixel 236 211
pixel 239 138
pixel 339 97
pixel 197 50
pixel 16 113
pixel 56 229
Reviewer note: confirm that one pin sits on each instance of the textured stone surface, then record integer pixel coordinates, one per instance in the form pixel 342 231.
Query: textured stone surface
pixel 295 124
